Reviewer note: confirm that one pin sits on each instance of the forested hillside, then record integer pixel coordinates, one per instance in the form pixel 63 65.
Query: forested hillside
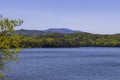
pixel 70 40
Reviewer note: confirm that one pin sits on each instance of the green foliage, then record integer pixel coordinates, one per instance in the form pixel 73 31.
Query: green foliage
pixel 71 40
pixel 9 43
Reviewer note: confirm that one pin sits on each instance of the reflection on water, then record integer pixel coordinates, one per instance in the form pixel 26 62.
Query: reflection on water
pixel 68 64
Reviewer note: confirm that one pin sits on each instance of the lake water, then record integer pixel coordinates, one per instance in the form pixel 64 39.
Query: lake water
pixel 67 64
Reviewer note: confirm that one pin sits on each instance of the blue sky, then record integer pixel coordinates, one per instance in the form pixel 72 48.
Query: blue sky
pixel 95 16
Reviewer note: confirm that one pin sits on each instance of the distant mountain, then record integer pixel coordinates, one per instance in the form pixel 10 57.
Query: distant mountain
pixel 62 30
pixel 25 32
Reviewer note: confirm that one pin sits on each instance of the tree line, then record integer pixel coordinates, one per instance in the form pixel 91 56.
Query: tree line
pixel 71 40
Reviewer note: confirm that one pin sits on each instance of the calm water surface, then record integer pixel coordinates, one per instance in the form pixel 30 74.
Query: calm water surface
pixel 67 64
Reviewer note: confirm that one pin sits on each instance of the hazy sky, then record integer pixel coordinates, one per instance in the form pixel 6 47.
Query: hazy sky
pixel 95 16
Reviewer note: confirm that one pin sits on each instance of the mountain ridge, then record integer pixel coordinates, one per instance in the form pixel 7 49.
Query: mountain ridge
pixel 26 32
pixel 62 30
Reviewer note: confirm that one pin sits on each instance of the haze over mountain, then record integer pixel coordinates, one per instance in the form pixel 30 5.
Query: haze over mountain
pixel 62 30
pixel 25 32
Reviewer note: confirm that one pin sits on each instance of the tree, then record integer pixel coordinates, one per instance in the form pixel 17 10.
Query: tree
pixel 9 43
